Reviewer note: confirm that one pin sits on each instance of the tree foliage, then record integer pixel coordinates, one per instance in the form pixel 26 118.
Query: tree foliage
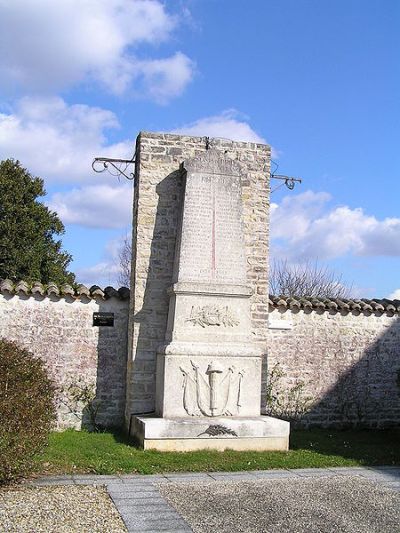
pixel 28 249
pixel 309 279
pixel 27 409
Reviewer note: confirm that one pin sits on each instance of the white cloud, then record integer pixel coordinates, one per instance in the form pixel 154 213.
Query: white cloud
pixel 303 227
pixel 96 206
pixel 48 45
pixel 105 272
pixel 395 295
pixel 58 141
pixel 294 215
pixel 228 125
pixel 166 78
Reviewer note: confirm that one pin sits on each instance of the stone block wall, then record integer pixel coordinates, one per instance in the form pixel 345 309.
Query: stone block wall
pixel 155 218
pixel 60 331
pixel 348 360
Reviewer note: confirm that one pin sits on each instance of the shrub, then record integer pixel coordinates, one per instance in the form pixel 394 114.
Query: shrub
pixel 27 409
pixel 81 401
pixel 287 402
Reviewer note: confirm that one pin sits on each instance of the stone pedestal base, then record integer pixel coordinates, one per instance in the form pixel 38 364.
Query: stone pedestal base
pixel 261 433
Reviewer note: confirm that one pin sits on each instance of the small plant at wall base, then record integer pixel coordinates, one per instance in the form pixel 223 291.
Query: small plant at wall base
pixel 81 400
pixel 27 410
pixel 288 403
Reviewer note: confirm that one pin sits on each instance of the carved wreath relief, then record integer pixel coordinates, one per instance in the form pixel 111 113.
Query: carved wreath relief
pixel 212 315
pixel 215 430
pixel 220 396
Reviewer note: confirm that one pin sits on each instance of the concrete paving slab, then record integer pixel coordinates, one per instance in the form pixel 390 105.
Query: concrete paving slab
pixel 53 478
pixel 230 474
pixel 142 479
pixel 134 497
pixel 173 475
pixel 131 487
pixel 142 522
pixel 348 469
pixel 174 531
pixel 96 477
pixel 236 478
pixel 48 482
pixel 191 479
pixel 312 472
pixel 153 508
pixel 132 514
pixel 274 474
pixel 89 482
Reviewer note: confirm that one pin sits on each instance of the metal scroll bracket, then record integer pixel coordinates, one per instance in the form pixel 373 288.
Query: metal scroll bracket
pixel 289 181
pixel 116 167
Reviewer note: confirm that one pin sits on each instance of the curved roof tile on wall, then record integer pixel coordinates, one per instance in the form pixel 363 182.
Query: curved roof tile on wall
pixel 123 293
pixel 51 289
pixel 335 304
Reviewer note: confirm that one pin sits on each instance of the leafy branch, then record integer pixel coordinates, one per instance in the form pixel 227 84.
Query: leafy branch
pixel 289 403
pixel 82 396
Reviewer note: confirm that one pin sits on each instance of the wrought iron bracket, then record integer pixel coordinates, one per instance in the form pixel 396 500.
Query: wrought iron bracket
pixel 118 166
pixel 289 181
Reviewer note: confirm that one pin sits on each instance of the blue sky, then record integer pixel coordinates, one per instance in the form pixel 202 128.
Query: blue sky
pixel 319 80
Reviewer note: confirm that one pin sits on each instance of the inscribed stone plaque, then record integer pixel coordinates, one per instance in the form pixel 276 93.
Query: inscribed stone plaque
pixel 212 243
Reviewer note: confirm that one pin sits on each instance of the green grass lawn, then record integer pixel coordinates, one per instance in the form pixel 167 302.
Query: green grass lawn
pixel 108 453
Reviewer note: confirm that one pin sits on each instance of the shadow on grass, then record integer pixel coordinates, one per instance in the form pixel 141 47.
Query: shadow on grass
pixel 370 447
pixel 121 437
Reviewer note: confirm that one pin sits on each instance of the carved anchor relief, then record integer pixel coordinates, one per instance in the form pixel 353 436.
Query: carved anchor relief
pixel 211 315
pixel 219 397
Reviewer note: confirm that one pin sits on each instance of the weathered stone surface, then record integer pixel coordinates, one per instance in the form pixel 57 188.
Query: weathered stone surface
pixel 209 324
pixel 184 434
pixel 208 345
pixel 211 241
pixel 186 386
pixel 348 361
pixel 60 332
pixel 157 208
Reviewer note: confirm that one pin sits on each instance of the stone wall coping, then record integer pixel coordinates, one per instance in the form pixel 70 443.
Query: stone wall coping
pixel 36 289
pixel 379 305
pixel 214 141
pixel 376 305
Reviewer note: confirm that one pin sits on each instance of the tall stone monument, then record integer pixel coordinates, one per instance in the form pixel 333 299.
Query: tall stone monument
pixel 208 371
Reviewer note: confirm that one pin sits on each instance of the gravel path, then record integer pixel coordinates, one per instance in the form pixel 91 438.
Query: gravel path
pixel 323 500
pixel 309 505
pixel 58 509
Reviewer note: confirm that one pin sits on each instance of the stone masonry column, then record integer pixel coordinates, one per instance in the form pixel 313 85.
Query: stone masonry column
pixel 199 294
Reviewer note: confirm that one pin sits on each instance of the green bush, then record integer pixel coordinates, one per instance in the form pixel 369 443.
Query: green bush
pixel 27 409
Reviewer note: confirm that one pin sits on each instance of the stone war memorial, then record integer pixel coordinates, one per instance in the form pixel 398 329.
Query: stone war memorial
pixel 183 359
pixel 209 348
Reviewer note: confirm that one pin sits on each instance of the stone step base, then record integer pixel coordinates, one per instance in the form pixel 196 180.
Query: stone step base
pixel 262 433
